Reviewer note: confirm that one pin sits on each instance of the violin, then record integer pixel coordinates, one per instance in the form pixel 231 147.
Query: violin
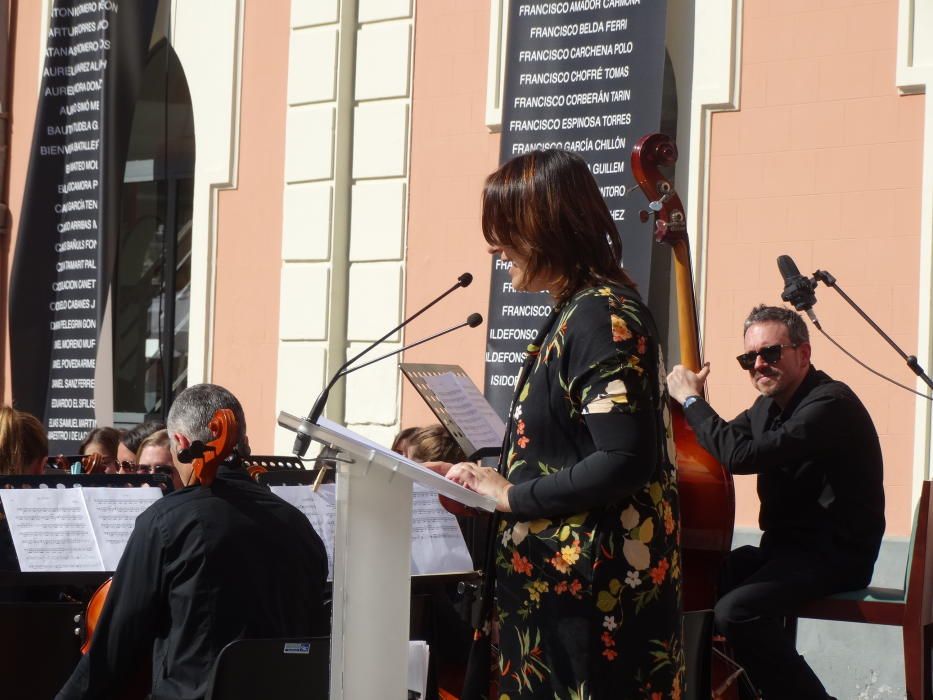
pixel 707 494
pixel 92 463
pixel 205 460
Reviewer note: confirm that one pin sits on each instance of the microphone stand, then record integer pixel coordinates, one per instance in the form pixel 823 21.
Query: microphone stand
pixel 302 427
pixel 302 440
pixel 911 360
pixel 473 321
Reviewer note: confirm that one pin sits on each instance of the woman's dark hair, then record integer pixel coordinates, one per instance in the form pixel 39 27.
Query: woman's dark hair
pixel 133 437
pixel 108 438
pixel 547 207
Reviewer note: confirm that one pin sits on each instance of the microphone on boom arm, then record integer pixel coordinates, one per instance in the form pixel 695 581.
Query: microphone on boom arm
pixel 302 441
pixel 798 289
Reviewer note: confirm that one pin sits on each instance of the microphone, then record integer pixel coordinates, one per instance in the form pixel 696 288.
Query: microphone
pixel 302 442
pixel 473 320
pixel 798 289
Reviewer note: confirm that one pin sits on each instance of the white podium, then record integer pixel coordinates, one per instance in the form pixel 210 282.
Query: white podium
pixel 372 560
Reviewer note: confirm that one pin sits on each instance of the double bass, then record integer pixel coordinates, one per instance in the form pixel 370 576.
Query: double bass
pixel 707 494
pixel 205 460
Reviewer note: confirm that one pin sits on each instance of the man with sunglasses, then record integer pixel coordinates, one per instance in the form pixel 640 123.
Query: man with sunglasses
pixel 817 458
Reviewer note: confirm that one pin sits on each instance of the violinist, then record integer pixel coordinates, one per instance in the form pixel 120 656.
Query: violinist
pixel 204 566
pixel 155 455
pixel 815 451
pixel 23 450
pixel 103 442
pixel 23 442
pixel 132 439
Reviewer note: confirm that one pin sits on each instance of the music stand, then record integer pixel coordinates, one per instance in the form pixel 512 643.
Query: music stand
pixel 459 406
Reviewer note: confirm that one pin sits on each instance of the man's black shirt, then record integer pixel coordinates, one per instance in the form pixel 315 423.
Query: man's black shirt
pixel 819 469
pixel 203 567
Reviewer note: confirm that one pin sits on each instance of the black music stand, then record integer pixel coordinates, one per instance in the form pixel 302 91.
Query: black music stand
pixel 276 463
pixel 478 431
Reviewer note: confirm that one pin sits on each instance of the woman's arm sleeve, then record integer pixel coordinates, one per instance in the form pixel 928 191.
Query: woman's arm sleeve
pixel 625 456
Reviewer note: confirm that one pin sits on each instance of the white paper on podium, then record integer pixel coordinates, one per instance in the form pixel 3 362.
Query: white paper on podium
pixel 73 529
pixel 344 437
pixel 467 408
pixel 437 545
pixel 418 656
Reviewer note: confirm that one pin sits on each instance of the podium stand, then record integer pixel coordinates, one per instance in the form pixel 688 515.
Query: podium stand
pixel 372 560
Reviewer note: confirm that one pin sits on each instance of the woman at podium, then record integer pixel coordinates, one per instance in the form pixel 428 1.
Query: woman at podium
pixel 586 559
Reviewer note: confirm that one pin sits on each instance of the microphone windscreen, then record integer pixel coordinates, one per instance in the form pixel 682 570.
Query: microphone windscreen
pixel 465 279
pixel 473 320
pixel 787 267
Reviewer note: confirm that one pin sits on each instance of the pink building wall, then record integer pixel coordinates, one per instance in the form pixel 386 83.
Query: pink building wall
pixel 452 152
pixel 249 227
pixel 25 96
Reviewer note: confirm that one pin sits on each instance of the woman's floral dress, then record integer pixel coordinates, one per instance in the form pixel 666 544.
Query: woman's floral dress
pixel 589 604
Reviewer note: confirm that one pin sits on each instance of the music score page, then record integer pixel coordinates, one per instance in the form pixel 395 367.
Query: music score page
pixel 437 545
pixel 73 529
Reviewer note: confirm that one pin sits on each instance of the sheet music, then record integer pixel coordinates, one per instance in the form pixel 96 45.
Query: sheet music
pixel 320 508
pixel 437 545
pixel 73 529
pixel 51 530
pixel 113 513
pixel 468 408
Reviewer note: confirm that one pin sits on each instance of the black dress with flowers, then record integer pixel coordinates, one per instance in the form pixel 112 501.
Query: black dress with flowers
pixel 588 564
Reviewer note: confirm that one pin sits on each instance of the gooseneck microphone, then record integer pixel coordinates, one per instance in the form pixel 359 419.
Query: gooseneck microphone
pixel 302 441
pixel 798 289
pixel 473 320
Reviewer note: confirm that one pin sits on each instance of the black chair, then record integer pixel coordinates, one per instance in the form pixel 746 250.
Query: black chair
pixel 272 669
pixel 698 652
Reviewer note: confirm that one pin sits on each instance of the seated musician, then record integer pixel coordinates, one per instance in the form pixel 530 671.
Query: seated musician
pixel 204 566
pixel 103 441
pixel 132 439
pixel 154 455
pixel 818 460
pixel 450 645
pixel 23 450
pixel 23 443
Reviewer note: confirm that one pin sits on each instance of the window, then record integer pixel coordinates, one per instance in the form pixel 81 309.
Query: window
pixel 152 277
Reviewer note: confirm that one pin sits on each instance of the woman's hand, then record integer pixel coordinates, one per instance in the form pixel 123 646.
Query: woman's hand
pixel 483 480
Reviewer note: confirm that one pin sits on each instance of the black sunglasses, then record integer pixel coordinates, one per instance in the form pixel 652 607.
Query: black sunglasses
pixel 770 354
